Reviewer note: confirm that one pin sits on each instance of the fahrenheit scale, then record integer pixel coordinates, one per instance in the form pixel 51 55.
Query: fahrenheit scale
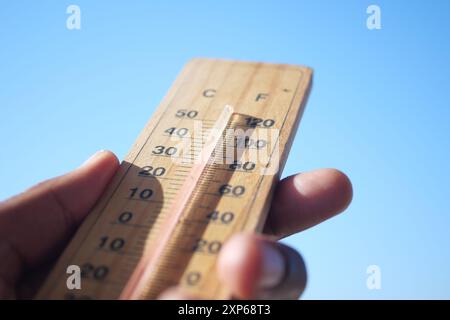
pixel 203 168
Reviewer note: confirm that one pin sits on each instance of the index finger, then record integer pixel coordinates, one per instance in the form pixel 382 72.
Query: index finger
pixel 304 200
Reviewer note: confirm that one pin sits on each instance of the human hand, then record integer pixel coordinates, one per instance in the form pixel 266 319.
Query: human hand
pixel 38 223
pixel 256 266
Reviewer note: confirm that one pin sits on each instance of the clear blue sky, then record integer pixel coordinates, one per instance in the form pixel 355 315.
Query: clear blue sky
pixel 379 111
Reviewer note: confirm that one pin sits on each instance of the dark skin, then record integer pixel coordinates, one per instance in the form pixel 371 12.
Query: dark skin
pixel 37 224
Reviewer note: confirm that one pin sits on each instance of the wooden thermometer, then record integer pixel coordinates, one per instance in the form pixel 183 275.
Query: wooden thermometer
pixel 203 168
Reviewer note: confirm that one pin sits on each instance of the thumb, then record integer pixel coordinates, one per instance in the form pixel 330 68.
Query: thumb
pixel 35 222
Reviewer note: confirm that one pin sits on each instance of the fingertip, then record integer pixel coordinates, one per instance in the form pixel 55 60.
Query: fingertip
pixel 98 169
pixel 175 293
pixel 253 266
pixel 102 157
pixel 324 192
pixel 306 199
pixel 239 265
pixel 81 188
pixel 110 157
pixel 339 185
pixel 345 187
